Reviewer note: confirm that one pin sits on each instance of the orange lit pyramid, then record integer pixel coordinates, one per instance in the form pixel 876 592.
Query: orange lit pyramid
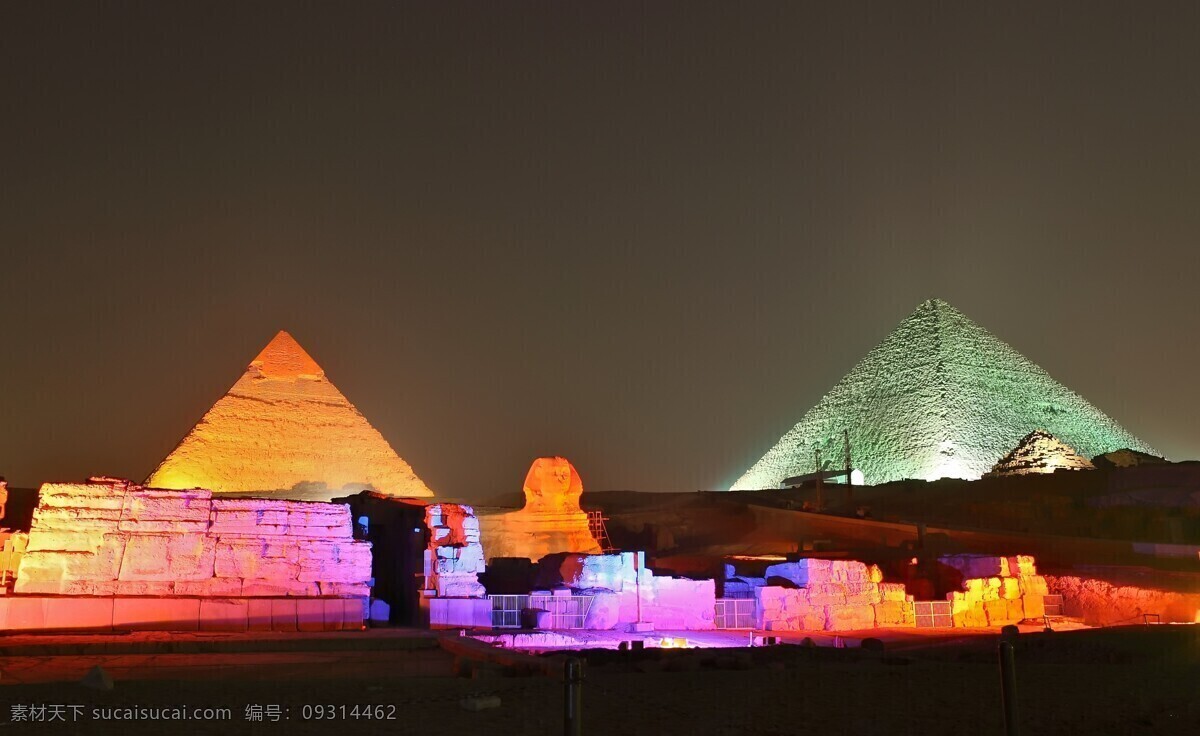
pixel 285 430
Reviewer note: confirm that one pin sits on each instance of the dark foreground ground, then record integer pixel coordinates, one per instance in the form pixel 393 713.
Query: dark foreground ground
pixel 1133 680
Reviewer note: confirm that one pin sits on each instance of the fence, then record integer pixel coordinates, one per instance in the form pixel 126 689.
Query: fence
pixel 1053 605
pixel 734 613
pixel 566 611
pixel 931 614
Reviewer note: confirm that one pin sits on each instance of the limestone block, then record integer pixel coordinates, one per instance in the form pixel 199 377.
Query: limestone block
pixel 333 611
pixel 168 526
pixel 1034 606
pixel 895 614
pixel 89 614
pixel 48 518
pixel 256 505
pixel 248 519
pixel 69 566
pixel 998 612
pixel 862 593
pixel 847 618
pixel 345 589
pixel 64 541
pixel 283 615
pixel 279 588
pixel 249 558
pixel 1033 585
pixel 583 571
pixel 168 557
pixel 353 611
pixel 155 505
pixel 146 587
pixel 1010 589
pixel 224 614
pixel 676 603
pixel 460 588
pixel 849 571
pixel 310 614
pixel 78 498
pixel 159 614
pixel 604 613
pixel 826 594
pixel 1022 565
pixel 802 572
pixel 210 588
pixel 258 614
pixel 973 616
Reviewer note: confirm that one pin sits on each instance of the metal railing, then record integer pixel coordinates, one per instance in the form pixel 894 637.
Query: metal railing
pixel 1053 604
pixel 734 613
pixel 566 611
pixel 931 614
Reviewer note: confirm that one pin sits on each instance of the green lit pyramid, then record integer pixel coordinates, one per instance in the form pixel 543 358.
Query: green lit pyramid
pixel 939 398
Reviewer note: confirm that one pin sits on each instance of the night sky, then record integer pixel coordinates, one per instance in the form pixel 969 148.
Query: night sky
pixel 645 237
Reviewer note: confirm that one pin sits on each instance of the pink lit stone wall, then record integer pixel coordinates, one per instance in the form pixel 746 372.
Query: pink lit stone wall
pixel 831 595
pixel 112 537
pixel 618 581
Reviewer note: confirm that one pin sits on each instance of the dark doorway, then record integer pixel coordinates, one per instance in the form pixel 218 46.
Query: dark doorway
pixel 396 529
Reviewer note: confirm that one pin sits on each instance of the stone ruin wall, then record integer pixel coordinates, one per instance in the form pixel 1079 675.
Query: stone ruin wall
pixel 114 538
pixel 454 557
pixel 614 582
pixel 1101 603
pixel 830 595
pixel 996 591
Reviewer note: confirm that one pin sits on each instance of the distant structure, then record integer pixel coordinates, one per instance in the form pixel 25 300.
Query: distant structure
pixel 551 521
pixel 940 397
pixel 1126 458
pixel 1040 452
pixel 285 430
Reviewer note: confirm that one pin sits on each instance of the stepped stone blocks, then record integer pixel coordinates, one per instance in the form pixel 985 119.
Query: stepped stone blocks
pixel 110 537
pixel 552 520
pixel 996 591
pixel 940 397
pixel 830 595
pixel 1040 452
pixel 285 430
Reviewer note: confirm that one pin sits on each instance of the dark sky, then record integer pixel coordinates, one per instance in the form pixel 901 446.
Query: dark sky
pixel 646 237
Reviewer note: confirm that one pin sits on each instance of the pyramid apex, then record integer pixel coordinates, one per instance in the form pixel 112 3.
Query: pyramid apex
pixel 284 358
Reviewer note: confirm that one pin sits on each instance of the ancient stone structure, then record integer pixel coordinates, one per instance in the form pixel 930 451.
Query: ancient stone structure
pixel 624 592
pixel 1040 452
pixel 940 397
pixel 285 430
pixel 995 590
pixel 551 521
pixel 1103 603
pixel 830 595
pixel 135 557
pixel 452 594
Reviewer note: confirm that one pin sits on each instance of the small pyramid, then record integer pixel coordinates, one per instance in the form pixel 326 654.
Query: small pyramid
pixel 285 430
pixel 940 397
pixel 1040 452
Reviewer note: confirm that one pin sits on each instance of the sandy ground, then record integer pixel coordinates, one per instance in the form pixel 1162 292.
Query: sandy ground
pixel 1115 681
